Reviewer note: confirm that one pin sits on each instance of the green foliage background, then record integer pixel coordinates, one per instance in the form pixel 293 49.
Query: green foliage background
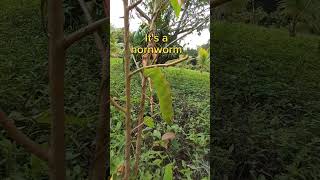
pixel 267 116
pixel 24 96
pixel 24 93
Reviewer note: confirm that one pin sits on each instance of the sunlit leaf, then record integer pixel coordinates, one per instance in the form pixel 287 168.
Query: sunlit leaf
pixel 168 173
pixel 176 7
pixel 148 121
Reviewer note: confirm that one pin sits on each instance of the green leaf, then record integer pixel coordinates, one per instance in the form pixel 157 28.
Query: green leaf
pixel 157 134
pixel 162 88
pixel 168 173
pixel 148 121
pixel 176 7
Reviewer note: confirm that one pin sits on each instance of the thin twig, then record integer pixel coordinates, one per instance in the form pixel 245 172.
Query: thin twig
pixel 143 14
pixel 177 61
pixel 89 29
pixel 134 4
pixel 19 137
pixel 189 31
pixel 116 105
pixel 135 128
pixel 137 65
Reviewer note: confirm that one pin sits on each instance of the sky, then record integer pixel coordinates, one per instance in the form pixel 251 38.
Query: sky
pixel 191 41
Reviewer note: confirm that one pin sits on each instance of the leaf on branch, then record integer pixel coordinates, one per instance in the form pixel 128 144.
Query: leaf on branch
pixel 148 121
pixel 176 7
pixel 168 173
pixel 162 88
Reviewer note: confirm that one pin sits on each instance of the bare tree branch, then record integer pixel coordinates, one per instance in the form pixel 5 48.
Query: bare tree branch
pixel 116 105
pixel 89 29
pixel 135 128
pixel 134 4
pixel 20 138
pixel 143 14
pixel 176 61
pixel 190 31
pixel 136 63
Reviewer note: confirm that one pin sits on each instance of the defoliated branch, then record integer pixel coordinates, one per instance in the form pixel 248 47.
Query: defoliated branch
pixel 135 4
pixel 116 105
pixel 89 29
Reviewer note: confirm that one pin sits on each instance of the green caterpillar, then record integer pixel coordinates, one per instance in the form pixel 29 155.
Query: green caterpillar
pixel 162 87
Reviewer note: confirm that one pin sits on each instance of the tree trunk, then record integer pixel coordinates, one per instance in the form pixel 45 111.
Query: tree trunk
pixel 57 60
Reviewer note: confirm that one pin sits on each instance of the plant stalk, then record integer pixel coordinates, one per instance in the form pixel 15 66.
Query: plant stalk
pixel 57 60
pixel 127 90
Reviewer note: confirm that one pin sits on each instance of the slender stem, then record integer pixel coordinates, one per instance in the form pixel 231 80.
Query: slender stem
pixel 151 96
pixel 134 129
pixel 136 63
pixel 99 168
pixel 140 121
pixel 160 65
pixel 134 4
pixel 116 105
pixel 142 14
pixel 127 90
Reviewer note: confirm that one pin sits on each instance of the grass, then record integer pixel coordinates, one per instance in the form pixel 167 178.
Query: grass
pixel 267 98
pixel 189 152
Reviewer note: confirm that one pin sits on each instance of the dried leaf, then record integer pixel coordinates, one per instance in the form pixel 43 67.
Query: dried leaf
pixel 168 136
